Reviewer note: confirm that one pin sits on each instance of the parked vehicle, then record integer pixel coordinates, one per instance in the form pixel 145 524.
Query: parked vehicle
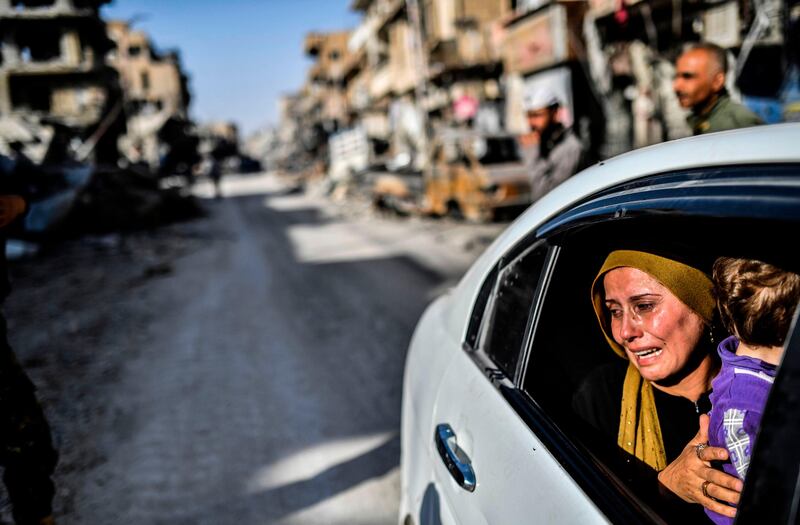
pixel 476 176
pixel 488 430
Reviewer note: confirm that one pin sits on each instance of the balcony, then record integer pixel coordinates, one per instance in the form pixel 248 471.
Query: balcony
pixel 470 48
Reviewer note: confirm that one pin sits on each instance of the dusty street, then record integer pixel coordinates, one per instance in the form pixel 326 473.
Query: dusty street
pixel 242 368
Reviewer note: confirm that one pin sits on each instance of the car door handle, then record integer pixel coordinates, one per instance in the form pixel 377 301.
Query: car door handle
pixel 458 464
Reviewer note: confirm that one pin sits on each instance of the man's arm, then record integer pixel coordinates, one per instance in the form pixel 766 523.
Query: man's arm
pixel 563 162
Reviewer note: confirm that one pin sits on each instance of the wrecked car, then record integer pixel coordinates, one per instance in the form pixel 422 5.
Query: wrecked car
pixel 476 176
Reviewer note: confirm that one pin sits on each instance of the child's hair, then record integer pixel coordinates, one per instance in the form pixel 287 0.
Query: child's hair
pixel 756 300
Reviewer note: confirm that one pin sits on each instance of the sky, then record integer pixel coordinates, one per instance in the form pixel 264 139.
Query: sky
pixel 240 55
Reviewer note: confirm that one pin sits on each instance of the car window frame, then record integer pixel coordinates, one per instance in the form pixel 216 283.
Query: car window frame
pixel 477 349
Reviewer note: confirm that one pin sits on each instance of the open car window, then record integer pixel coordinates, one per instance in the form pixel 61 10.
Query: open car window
pixel 503 322
pixel 567 361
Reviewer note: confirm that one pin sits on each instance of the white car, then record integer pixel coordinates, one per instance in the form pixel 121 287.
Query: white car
pixel 487 429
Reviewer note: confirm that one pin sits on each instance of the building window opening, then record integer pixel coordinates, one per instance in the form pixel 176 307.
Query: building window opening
pixel 40 46
pixel 21 5
pixel 31 94
pixel 145 81
pixel 134 51
pixel 84 4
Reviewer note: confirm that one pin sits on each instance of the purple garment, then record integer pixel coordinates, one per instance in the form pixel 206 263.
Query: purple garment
pixel 738 397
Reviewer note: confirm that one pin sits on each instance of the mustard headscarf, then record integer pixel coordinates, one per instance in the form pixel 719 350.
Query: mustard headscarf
pixel 639 428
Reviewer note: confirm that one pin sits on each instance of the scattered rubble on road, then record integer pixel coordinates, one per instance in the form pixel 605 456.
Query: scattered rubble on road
pixel 66 198
pixel 81 310
pixel 77 313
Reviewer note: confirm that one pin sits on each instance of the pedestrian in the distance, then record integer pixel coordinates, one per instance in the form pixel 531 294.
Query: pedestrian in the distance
pixel 215 172
pixel 700 87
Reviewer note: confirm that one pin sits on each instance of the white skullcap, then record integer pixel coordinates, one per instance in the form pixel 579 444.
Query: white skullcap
pixel 539 98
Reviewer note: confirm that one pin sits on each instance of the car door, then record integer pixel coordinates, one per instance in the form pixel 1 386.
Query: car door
pixel 490 466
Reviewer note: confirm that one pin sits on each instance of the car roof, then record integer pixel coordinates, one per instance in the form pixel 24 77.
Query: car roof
pixel 772 144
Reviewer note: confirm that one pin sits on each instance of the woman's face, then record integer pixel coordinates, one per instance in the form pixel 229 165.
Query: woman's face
pixel 657 331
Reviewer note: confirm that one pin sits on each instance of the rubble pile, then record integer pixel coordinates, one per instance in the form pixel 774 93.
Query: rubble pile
pixel 93 124
pixel 126 200
pixel 70 198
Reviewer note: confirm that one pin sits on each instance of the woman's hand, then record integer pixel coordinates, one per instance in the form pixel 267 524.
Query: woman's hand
pixel 691 472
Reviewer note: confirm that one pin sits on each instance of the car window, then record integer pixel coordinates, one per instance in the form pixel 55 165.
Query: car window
pixel 506 322
pixel 568 359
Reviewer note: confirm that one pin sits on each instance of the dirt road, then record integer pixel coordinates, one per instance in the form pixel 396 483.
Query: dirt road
pixel 243 368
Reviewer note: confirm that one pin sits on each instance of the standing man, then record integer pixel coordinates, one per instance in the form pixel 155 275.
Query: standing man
pixel 26 451
pixel 560 153
pixel 700 86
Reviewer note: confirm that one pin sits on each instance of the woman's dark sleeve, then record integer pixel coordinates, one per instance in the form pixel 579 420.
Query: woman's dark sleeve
pixel 598 398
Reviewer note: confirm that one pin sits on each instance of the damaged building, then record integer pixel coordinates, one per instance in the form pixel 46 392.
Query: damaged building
pixel 383 83
pixel 418 66
pixel 464 62
pixel 631 48
pixel 53 74
pixel 221 142
pixel 324 104
pixel 155 90
pixel 63 118
pixel 319 109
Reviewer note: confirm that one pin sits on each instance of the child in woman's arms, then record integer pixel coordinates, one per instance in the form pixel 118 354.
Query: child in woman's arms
pixel 757 302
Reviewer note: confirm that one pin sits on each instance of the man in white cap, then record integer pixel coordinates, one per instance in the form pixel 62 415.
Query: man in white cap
pixel 560 153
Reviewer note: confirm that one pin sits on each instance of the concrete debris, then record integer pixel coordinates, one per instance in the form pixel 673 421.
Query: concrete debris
pixel 74 199
pixel 124 200
pixel 94 127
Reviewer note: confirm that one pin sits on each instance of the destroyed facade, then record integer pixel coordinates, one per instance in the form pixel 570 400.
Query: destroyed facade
pixel 415 67
pixel 53 72
pixel 155 90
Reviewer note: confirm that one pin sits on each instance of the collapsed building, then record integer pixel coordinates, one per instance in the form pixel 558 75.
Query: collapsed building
pixel 294 142
pixel 383 82
pixel 415 66
pixel 220 142
pixel 64 113
pixel 155 90
pixel 324 105
pixel 464 62
pixel 319 109
pixel 54 81
pixel 262 146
